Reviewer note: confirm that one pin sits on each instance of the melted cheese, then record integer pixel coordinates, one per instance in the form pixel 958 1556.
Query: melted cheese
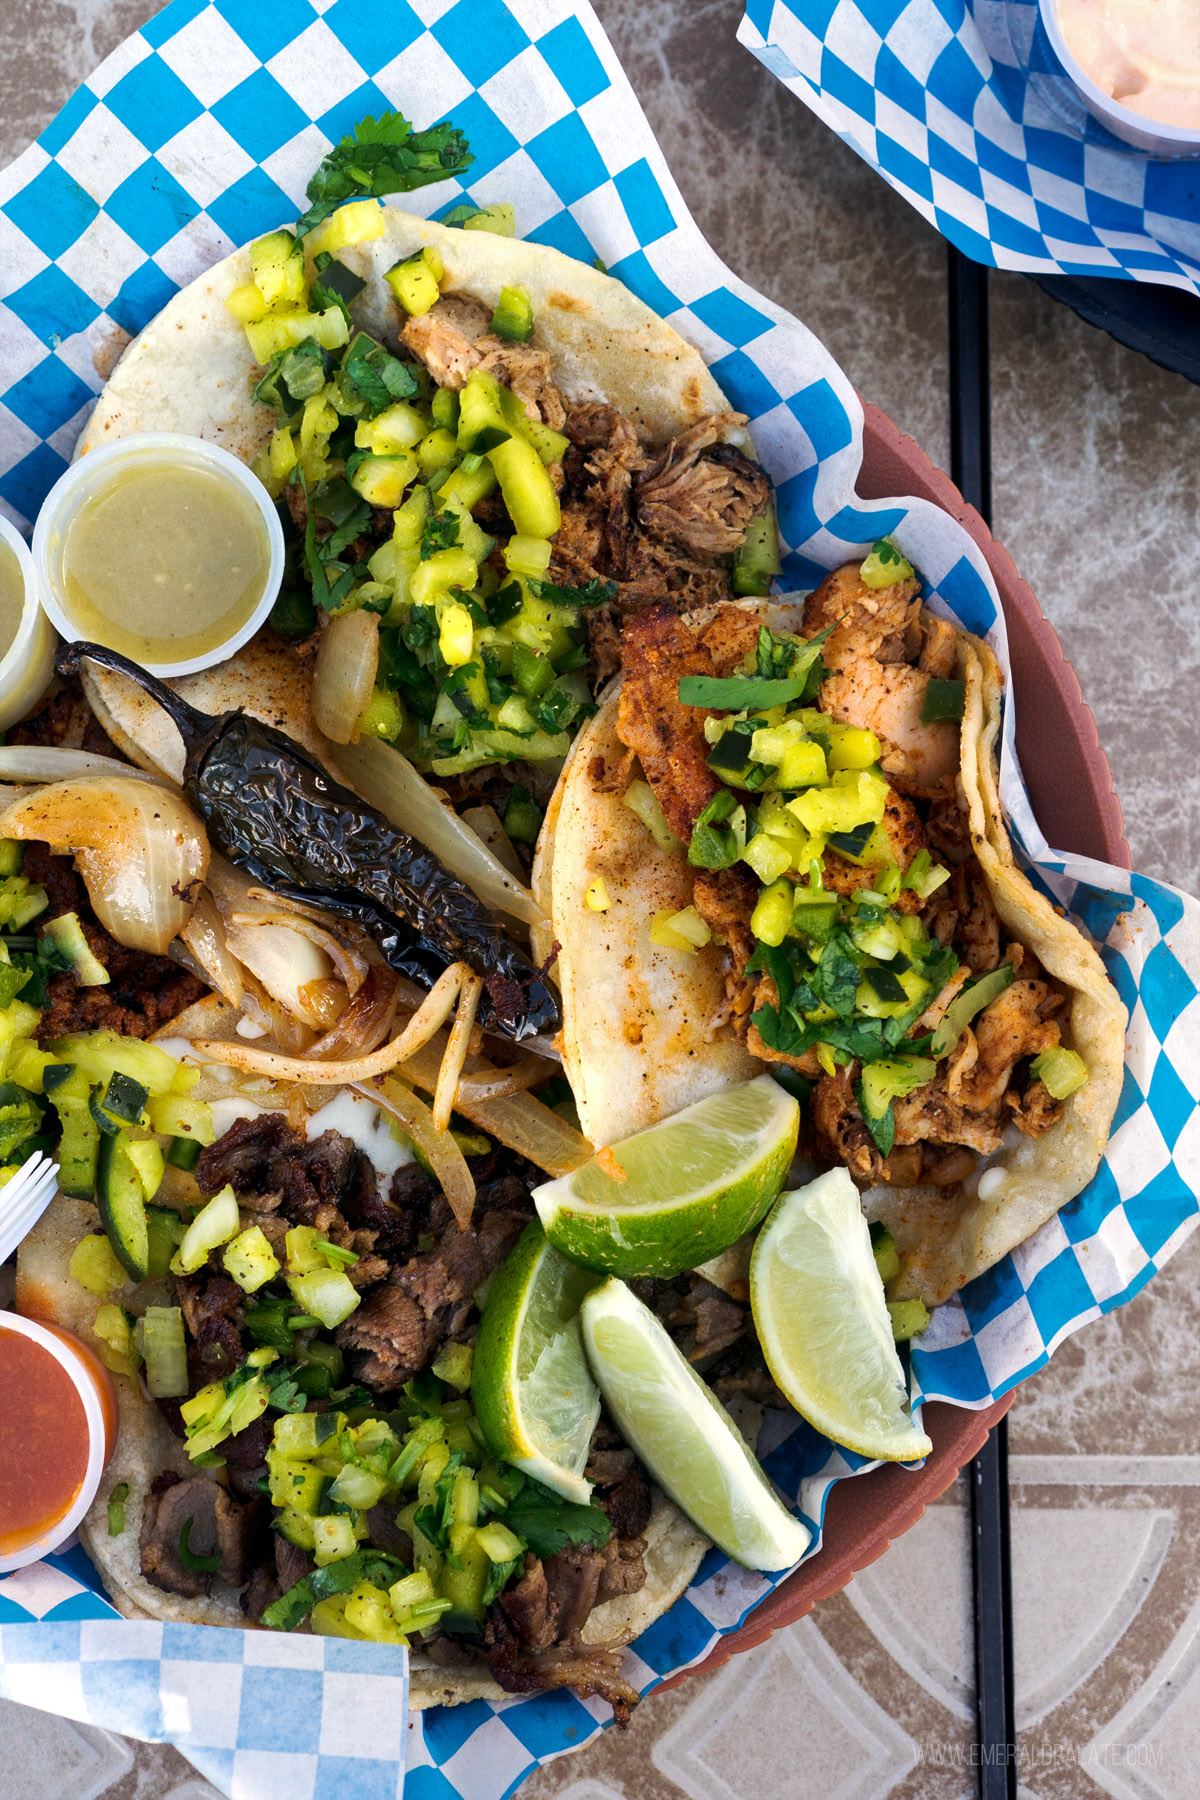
pixel 366 1127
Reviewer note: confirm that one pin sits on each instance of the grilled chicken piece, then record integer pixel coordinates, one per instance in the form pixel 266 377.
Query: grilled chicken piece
pixel 1016 1024
pixel 667 736
pixel 880 623
pixel 887 699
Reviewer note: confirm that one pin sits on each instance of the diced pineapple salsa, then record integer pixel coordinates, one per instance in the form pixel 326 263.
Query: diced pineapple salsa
pixel 854 966
pixel 480 655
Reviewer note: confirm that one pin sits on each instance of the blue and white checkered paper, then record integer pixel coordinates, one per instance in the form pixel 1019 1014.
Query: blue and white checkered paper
pixel 199 133
pixel 962 107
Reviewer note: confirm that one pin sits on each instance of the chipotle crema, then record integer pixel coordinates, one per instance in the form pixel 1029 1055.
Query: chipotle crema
pixel 44 1441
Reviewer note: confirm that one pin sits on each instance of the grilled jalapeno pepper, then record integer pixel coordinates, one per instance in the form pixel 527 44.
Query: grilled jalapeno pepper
pixel 275 812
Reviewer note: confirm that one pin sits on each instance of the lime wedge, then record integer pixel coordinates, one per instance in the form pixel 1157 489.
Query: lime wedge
pixel 536 1403
pixel 683 1434
pixel 823 1322
pixel 677 1193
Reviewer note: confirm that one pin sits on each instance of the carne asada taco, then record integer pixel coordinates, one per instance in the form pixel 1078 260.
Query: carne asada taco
pixel 234 1544
pixel 788 822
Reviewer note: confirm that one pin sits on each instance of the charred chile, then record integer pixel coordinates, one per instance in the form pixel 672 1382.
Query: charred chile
pixel 274 811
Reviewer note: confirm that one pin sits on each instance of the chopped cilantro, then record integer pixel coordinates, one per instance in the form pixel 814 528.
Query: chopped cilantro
pixel 383 156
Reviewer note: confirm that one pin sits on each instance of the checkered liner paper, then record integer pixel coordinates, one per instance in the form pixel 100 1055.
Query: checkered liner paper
pixel 963 107
pixel 197 134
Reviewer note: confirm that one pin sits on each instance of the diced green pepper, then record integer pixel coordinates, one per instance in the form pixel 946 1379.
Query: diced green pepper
pixel 513 315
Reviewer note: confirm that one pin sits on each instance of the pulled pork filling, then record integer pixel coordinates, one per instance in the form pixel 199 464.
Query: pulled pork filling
pixel 419 1276
pixel 879 657
pixel 662 523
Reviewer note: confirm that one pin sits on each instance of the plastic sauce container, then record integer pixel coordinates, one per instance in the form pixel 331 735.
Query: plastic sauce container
pixel 58 1428
pixel 26 635
pixel 161 546
pixel 1107 41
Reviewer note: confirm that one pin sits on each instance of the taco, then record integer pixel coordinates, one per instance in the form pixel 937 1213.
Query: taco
pixel 826 884
pixel 486 454
pixel 559 1619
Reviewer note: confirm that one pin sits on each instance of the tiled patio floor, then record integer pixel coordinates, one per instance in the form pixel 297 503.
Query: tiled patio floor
pixel 1095 473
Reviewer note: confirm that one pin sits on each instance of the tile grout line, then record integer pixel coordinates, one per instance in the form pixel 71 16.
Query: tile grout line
pixel 970 468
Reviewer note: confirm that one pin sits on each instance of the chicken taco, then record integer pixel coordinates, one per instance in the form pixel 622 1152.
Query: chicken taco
pixel 783 839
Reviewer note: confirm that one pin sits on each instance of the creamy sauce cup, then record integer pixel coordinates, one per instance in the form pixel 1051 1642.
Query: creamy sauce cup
pixel 1136 128
pixel 95 479
pixel 92 1383
pixel 28 663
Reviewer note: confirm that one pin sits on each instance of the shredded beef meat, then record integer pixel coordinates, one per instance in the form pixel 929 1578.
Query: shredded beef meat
pixel 212 1311
pixel 397 1337
pixel 219 1524
pixel 628 1504
pixel 405 1321
pixel 586 1669
pixel 261 1591
pixel 291 1562
pixel 526 1605
pixel 624 1570
pixel 572 1581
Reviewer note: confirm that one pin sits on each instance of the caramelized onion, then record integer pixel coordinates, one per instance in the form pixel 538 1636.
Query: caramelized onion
pixel 430 1016
pixel 389 781
pixel 365 1023
pixel 519 1121
pixel 447 1161
pixel 456 1051
pixel 141 852
pixel 204 935
pixel 54 762
pixel 350 963
pixel 344 676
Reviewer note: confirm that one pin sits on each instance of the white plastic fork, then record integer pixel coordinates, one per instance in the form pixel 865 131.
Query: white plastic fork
pixel 24 1199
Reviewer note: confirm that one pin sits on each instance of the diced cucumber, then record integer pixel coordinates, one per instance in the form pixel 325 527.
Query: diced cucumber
pixel 513 315
pixel 122 1202
pixel 12 854
pixel 381 480
pixel 176 1116
pixel 213 1226
pixel 78 1148
pixel 527 489
pixel 147 1158
pixel 183 1153
pixel 100 1054
pixel 165 1228
pixel 66 934
pixel 124 1098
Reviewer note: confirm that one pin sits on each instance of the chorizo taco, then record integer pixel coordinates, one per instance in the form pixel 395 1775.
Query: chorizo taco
pixel 791 817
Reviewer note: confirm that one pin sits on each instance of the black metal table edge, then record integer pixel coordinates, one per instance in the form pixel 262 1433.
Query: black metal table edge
pixel 1161 323
pixel 995 1720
